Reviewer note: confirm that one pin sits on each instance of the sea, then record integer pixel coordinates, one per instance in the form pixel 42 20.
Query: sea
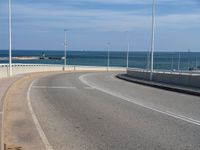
pixel 162 60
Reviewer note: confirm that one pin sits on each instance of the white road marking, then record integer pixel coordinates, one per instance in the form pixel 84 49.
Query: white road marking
pixel 89 88
pixel 37 124
pixel 54 87
pixel 39 87
pixel 112 76
pixel 171 114
pixel 60 87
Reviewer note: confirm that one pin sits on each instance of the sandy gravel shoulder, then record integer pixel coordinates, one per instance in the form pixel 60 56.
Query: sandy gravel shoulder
pixel 19 131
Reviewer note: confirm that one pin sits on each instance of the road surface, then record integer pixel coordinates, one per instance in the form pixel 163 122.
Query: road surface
pixel 96 111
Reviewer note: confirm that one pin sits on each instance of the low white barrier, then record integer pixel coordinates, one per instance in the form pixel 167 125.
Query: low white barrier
pixel 188 79
pixel 28 68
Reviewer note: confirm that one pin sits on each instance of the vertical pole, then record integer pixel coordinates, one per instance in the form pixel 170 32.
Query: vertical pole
pixel 65 52
pixel 108 63
pixel 196 63
pixel 148 61
pixel 153 39
pixel 188 59
pixel 179 61
pixel 172 63
pixel 128 50
pixel 10 38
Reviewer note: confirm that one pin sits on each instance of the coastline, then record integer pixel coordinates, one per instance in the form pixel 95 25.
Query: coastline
pixel 20 58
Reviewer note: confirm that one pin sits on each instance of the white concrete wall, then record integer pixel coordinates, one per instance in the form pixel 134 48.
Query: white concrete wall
pixel 3 72
pixel 175 78
pixel 22 69
pixel 28 68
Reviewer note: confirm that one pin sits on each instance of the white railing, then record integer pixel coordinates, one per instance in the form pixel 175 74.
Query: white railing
pixel 167 71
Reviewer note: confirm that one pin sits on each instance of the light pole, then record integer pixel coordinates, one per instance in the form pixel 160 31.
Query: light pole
pixel 189 59
pixel 153 39
pixel 196 62
pixel 172 63
pixel 179 60
pixel 65 52
pixel 148 60
pixel 128 50
pixel 108 63
pixel 10 37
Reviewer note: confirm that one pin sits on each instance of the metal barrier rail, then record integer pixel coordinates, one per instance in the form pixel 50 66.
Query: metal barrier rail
pixel 167 71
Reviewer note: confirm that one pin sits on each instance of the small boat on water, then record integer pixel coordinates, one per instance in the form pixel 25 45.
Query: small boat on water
pixel 50 57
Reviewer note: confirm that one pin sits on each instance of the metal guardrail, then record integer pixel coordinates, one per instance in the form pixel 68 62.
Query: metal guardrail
pixel 167 71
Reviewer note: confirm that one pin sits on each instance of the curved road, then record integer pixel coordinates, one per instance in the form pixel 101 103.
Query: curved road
pixel 96 111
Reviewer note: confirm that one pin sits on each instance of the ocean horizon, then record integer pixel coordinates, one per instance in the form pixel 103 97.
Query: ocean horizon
pixel 163 60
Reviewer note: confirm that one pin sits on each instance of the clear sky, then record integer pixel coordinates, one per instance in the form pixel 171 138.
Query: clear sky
pixel 39 24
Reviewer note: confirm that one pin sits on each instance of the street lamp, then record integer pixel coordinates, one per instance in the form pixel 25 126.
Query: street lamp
pixel 108 63
pixel 65 52
pixel 179 60
pixel 189 59
pixel 128 50
pixel 10 37
pixel 153 39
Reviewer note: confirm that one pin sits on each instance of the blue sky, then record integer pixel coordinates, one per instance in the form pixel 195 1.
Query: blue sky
pixel 92 23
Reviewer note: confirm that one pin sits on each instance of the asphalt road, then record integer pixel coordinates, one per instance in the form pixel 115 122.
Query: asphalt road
pixel 96 111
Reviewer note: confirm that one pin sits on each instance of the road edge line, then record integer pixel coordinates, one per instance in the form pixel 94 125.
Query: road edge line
pixel 168 113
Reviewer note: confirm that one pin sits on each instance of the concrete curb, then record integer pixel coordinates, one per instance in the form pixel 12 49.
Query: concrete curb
pixel 164 86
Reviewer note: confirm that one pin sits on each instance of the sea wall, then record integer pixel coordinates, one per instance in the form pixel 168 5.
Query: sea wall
pixel 174 78
pixel 28 68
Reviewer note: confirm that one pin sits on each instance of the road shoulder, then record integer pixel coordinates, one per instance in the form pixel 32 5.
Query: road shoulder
pixel 19 131
pixel 5 83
